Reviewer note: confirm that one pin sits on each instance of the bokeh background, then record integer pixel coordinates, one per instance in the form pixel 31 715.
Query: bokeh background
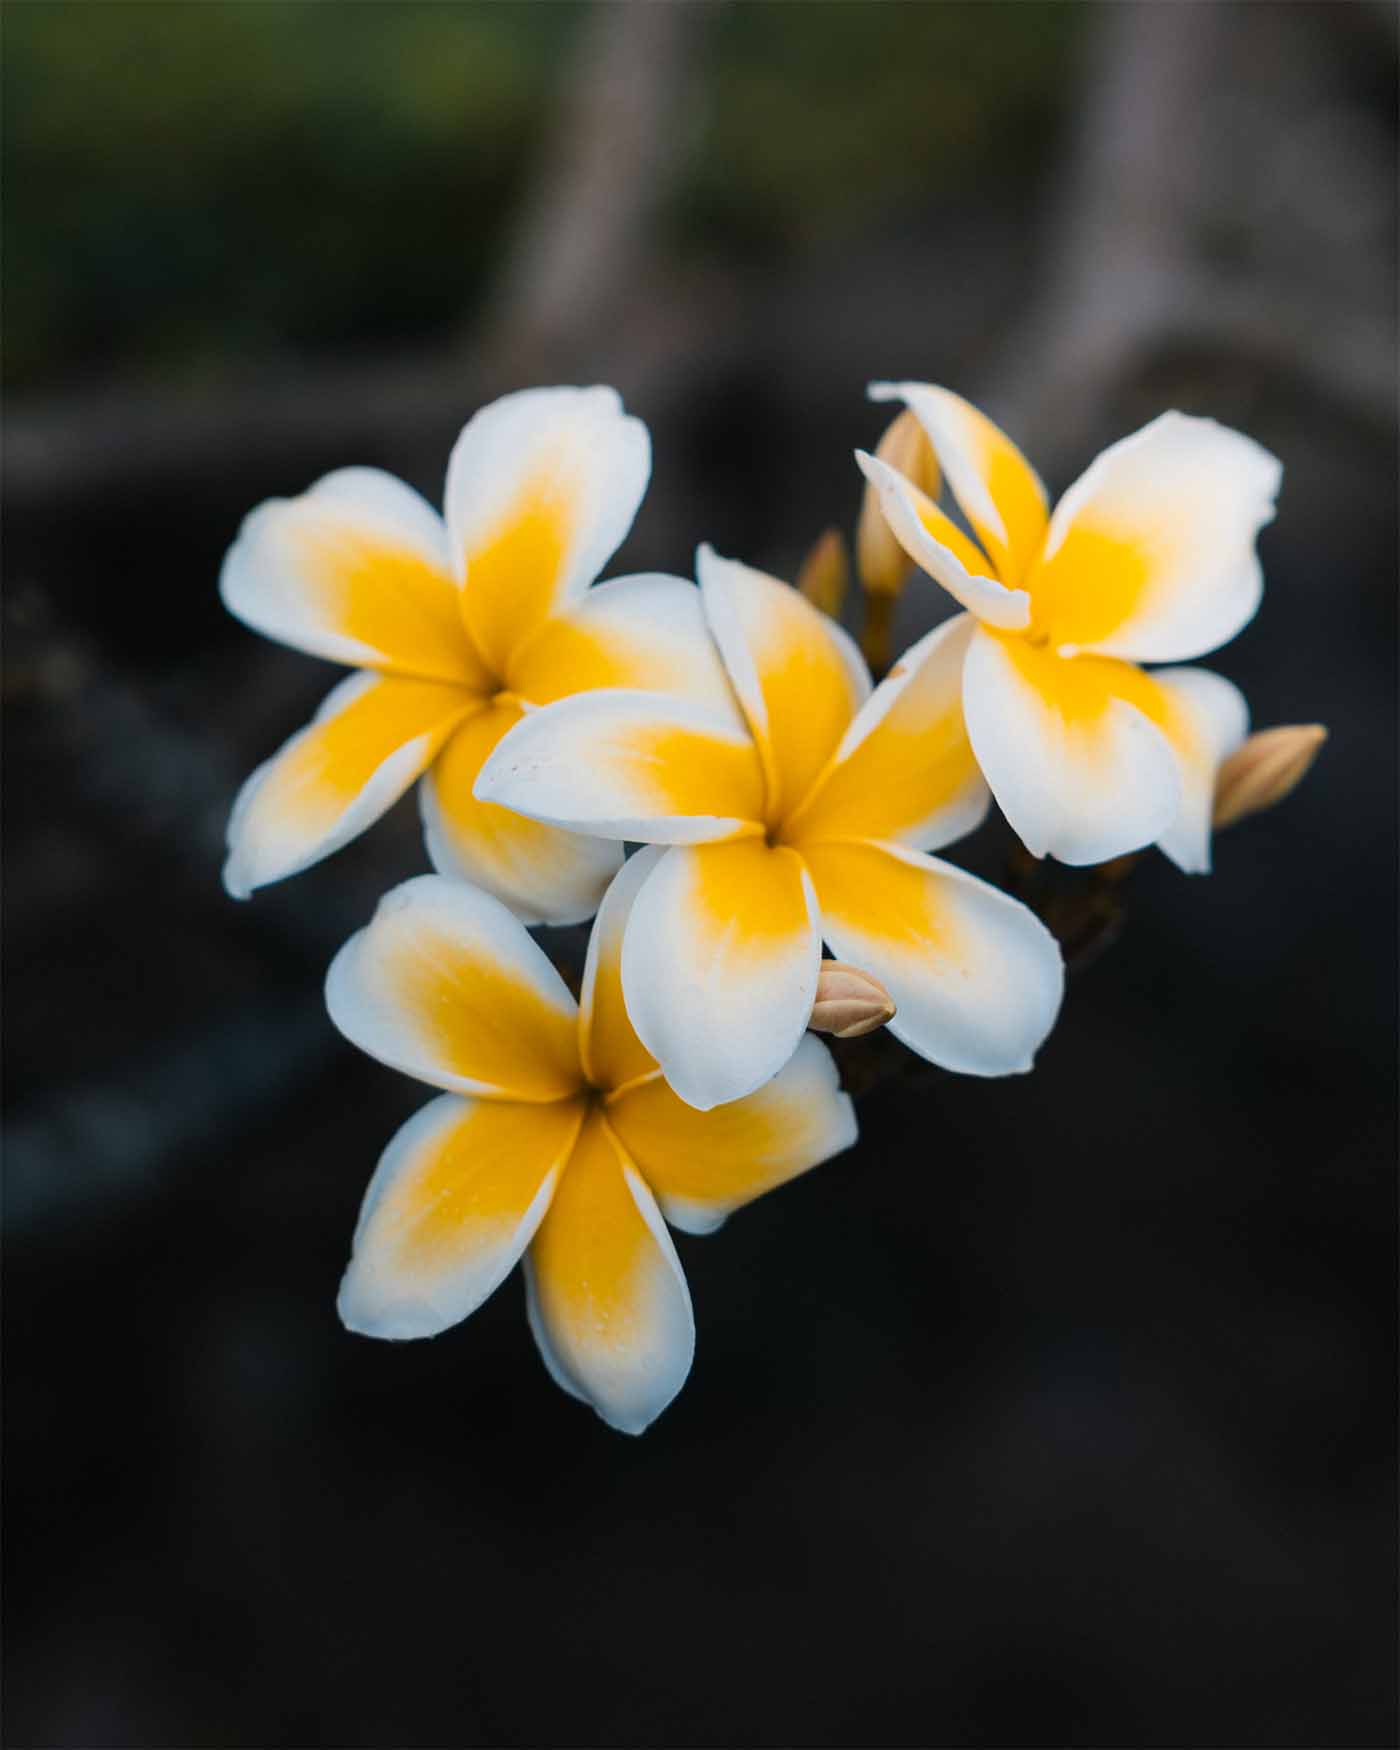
pixel 1061 1411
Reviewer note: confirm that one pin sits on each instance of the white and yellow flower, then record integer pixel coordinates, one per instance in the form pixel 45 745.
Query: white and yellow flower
pixel 803 815
pixel 557 1141
pixel 1149 557
pixel 459 624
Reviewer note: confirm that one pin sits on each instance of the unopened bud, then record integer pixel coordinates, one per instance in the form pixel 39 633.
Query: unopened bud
pixel 884 565
pixel 1264 770
pixel 825 573
pixel 849 1002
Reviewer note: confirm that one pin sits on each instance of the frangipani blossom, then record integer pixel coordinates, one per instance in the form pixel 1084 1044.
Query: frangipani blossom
pixel 459 624
pixel 1149 557
pixel 805 817
pixel 557 1141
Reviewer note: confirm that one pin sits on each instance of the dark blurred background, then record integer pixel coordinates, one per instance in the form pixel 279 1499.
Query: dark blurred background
pixel 1061 1411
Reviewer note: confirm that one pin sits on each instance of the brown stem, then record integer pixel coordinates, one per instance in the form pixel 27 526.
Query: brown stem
pixel 876 633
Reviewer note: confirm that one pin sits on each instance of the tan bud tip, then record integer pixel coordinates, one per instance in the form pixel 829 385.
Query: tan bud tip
pixel 883 564
pixel 825 573
pixel 1264 770
pixel 849 1002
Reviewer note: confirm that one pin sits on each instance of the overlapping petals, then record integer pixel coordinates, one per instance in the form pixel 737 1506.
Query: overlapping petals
pixel 543 874
pixel 631 766
pixel 1149 557
pixel 797 675
pixel 647 631
pixel 998 490
pixel 904 769
pixel 933 540
pixel 783 803
pixel 471 621
pixel 721 955
pixel 720 965
pixel 560 1145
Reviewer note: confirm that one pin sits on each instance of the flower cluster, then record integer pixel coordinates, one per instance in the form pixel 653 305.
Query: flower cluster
pixel 782 801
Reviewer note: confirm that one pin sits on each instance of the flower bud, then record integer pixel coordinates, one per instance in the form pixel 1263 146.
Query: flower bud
pixel 884 565
pixel 849 1002
pixel 825 573
pixel 1264 770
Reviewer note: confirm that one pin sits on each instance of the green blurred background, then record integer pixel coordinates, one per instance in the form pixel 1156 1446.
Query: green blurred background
pixel 209 187
pixel 1061 1410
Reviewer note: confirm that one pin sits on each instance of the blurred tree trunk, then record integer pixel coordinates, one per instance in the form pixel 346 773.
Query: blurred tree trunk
pixel 1128 256
pixel 580 273
pixel 583 242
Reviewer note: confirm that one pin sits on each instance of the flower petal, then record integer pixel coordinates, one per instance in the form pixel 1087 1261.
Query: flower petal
pixel 934 542
pixel 455 1200
pixel 370 739
pixel 356 569
pixel 646 633
pixel 1208 719
pixel 1073 748
pixel 798 676
pixel 719 966
pixel 542 486
pixel 704 1165
pixel 629 765
pixel 1000 493
pixel 1150 554
pixel 446 985
pixel 611 1052
pixel 608 1303
pixel 544 874
pixel 976 977
pixel 905 769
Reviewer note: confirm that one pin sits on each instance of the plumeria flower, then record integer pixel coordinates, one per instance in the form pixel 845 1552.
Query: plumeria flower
pixel 458 624
pixel 1149 557
pixel 558 1142
pixel 802 815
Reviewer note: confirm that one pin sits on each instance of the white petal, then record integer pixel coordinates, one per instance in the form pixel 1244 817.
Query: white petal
pixel 629 765
pixel 370 739
pixel 608 1302
pixel 1150 554
pixel 913 518
pixel 456 1198
pixel 704 1165
pixel 976 978
pixel 1000 493
pixel 1210 721
pixel 542 486
pixel 1075 763
pixel 355 569
pixel 719 966
pixel 447 986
